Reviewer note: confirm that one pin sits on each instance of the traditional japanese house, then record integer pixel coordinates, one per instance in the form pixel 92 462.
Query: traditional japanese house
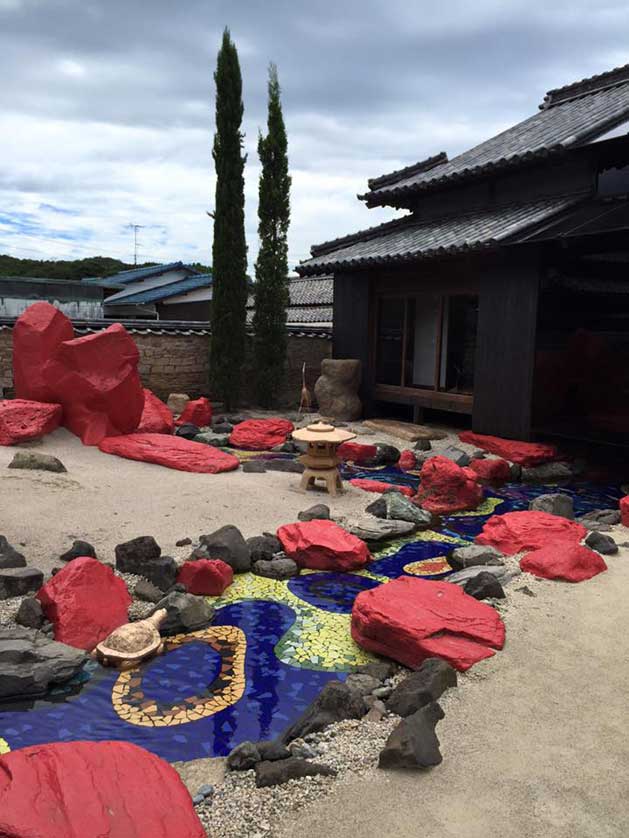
pixel 503 292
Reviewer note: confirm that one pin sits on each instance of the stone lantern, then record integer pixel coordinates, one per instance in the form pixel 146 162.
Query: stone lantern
pixel 321 460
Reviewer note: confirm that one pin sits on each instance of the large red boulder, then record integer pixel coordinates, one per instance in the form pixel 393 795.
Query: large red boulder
pixel 156 417
pixel 492 471
pixel 565 560
pixel 260 434
pixel 323 545
pixel 85 602
pixel 356 452
pixel 445 487
pixel 624 511
pixel 412 619
pixel 380 486
pixel 525 453
pixel 96 380
pixel 83 789
pixel 197 412
pixel 408 460
pixel 170 451
pixel 515 532
pixel 21 420
pixel 205 577
pixel 37 334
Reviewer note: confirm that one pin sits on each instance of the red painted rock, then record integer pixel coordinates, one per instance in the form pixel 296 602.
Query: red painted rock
pixel 37 334
pixel 380 486
pixel 85 602
pixel 493 471
pixel 565 560
pixel 82 789
pixel 205 577
pixel 260 434
pixel 356 452
pixel 515 532
pixel 446 487
pixel 21 420
pixel 525 453
pixel 624 511
pixel 170 451
pixel 410 620
pixel 408 460
pixel 197 412
pixel 96 380
pixel 323 545
pixel 156 417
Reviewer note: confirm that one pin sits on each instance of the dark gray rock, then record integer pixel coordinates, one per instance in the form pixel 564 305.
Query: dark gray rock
pixel 457 455
pixel 36 461
pixel 379 669
pixel 422 445
pixel 236 418
pixel 18 581
pixel 142 556
pixel 484 586
pixel 263 547
pixel 243 757
pixel 254 467
pixel 187 431
pixel 212 439
pixel 601 516
pixel 547 473
pixel 289 466
pixel 335 702
pixel 183 542
pixel 147 591
pixel 276 569
pixel 186 612
pixel 555 504
pixel 223 428
pixel 603 544
pixel 30 613
pixel 526 590
pixel 272 751
pixel 414 742
pixel 227 544
pixel 378 508
pixel 400 508
pixel 422 687
pixel 373 530
pixel 502 573
pixel 275 773
pixel 515 470
pixel 386 455
pixel 362 683
pixel 30 663
pixel 9 556
pixel 78 549
pixel 318 512
pixel 473 555
pixel 594 525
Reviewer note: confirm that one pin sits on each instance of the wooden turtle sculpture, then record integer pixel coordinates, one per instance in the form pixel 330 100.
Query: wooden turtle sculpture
pixel 130 644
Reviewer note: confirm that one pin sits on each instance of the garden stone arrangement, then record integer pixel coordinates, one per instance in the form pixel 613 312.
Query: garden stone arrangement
pixel 328 644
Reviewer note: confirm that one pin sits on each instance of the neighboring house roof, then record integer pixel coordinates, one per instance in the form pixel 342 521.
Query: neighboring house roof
pixel 310 301
pixel 136 296
pixel 123 278
pixel 409 238
pixel 568 117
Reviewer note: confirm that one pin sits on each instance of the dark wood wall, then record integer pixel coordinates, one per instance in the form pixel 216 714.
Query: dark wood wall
pixel 352 328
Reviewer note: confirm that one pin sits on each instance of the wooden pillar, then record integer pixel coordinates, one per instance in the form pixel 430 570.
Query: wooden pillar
pixel 351 333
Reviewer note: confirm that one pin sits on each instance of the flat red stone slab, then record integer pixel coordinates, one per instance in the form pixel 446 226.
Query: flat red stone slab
pixel 515 532
pixel 22 419
pixel 170 451
pixel 83 789
pixel 380 486
pixel 410 620
pixel 524 453
pixel 260 434
pixel 323 545
pixel 563 560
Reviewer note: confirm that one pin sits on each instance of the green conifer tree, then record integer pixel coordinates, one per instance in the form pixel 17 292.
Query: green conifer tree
pixel 229 251
pixel 271 287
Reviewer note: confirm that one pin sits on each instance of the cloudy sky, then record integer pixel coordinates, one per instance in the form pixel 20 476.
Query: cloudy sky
pixel 107 106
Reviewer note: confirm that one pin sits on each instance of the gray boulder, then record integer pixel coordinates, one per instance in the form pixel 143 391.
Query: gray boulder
pixel 386 455
pixel 263 547
pixel 186 612
pixel 78 549
pixel 276 569
pixel 212 439
pixel 318 512
pixel 473 555
pixel 36 461
pixel 484 586
pixel 362 683
pixel 147 591
pixel 335 702
pixel 131 555
pixel 547 473
pixel 9 556
pixel 374 530
pixel 601 516
pixel 397 507
pixel 227 544
pixel 555 504
pixel 290 466
pixel 187 431
pixel 277 772
pixel 422 687
pixel 30 613
pixel 254 467
pixel 422 445
pixel 379 669
pixel 603 544
pixel 18 581
pixel 457 455
pixel 502 573
pixel 414 743
pixel 243 757
pixel 30 663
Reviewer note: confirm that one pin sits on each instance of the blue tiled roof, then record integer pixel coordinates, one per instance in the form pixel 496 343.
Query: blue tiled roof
pixel 123 278
pixel 162 292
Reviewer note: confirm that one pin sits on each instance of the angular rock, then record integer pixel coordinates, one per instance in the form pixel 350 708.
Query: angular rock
pixel 514 532
pixel 272 751
pixel 176 403
pixel 603 544
pixel 379 669
pixel 260 434
pixel 547 473
pixel 484 586
pixel 474 554
pixel 223 428
pixel 422 445
pixel 243 757
pixel 227 544
pixel 187 431
pixel 276 569
pixel 205 577
pixel 554 504
pixel 524 453
pixel 85 602
pixel 601 516
pixel 399 507
pixel 263 547
pixel 318 512
pixel 170 451
pixel 36 461
pixel 564 560
pixel 17 581
pixel 422 687
pixel 335 702
pixel 78 549
pixel 277 772
pixel 336 390
pixel 323 545
pixel 376 711
pixel 30 613
pixel 197 412
pixel 368 485
pixel 254 467
pixel 9 556
pixel 356 452
pixel 492 471
pixel 378 507
pixel 288 466
pixel 105 789
pixel 446 488
pixel 37 334
pixel 147 591
pixel 183 542
pixel 210 438
pixel 156 417
pixel 386 455
pixel 30 663
pixel 414 743
pixel 186 613
pixel 142 557
pixel 500 572
pixel 408 460
pixel 457 455
pixel 374 530
pixel 412 619
pixel 362 683
pixel 21 420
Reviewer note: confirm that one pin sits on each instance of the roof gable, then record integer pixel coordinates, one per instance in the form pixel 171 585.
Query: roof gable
pixel 135 296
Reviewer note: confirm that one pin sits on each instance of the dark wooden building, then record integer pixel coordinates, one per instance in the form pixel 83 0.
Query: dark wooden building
pixel 503 293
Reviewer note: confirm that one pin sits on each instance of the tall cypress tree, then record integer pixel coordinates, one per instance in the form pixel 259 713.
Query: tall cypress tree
pixel 229 251
pixel 271 287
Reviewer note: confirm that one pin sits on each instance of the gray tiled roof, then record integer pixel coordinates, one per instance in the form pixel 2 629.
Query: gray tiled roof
pixel 569 116
pixel 302 314
pixel 310 300
pixel 408 239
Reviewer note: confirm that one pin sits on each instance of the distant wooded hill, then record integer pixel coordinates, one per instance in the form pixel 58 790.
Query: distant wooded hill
pixel 74 269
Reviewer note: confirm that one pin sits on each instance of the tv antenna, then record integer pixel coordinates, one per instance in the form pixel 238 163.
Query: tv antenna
pixel 135 228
